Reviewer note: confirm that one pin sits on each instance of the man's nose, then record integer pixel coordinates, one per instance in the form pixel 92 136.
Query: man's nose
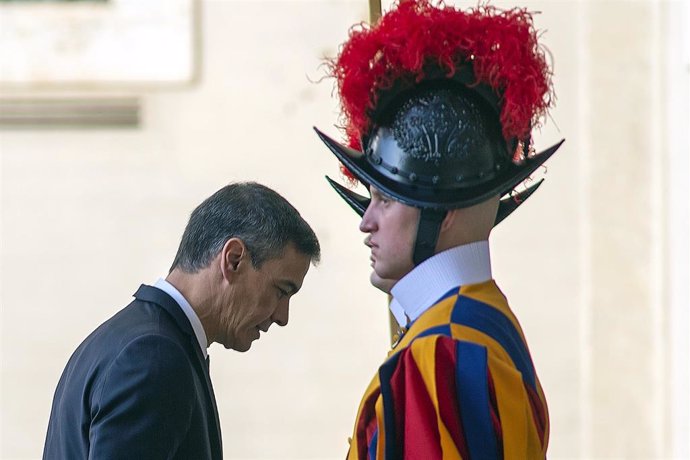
pixel 367 224
pixel 282 313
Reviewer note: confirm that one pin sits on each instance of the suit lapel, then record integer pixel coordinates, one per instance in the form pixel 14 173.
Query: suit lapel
pixel 209 385
pixel 203 369
pixel 167 303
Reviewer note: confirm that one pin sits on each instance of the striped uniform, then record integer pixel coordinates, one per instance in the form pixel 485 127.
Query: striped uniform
pixel 459 385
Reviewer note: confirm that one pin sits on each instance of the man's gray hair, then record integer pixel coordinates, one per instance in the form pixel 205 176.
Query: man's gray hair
pixel 251 212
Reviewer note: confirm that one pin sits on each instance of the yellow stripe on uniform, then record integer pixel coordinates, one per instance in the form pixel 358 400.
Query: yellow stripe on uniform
pixel 511 398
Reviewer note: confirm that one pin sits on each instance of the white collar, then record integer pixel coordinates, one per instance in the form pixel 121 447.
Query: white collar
pixel 189 312
pixel 428 281
pixel 398 312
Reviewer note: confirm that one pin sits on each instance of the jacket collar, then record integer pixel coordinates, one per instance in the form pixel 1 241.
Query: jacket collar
pixel 161 298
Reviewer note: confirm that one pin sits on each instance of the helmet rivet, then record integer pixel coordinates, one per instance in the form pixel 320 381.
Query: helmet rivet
pixel 458 178
pixel 377 160
pixel 498 167
pixel 394 170
pixel 413 177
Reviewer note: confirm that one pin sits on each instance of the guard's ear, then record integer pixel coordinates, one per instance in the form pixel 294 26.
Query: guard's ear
pixel 233 254
pixel 448 220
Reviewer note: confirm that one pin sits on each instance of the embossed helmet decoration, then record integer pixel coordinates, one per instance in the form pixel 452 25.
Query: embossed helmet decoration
pixel 438 105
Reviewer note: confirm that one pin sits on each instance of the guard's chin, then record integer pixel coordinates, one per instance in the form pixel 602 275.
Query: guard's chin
pixel 382 284
pixel 378 273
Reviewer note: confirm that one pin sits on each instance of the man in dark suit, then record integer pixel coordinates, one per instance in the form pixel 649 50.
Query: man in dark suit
pixel 138 387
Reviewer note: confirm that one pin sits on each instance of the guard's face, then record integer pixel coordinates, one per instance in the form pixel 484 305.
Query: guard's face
pixel 261 297
pixel 392 229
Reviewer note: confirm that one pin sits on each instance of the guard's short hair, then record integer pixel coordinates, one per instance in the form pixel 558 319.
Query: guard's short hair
pixel 251 212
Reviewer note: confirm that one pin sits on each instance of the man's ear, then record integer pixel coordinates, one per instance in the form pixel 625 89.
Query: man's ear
pixel 233 254
pixel 448 221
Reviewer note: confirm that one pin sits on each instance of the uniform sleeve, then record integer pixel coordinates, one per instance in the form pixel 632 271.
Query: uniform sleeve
pixel 144 406
pixel 438 401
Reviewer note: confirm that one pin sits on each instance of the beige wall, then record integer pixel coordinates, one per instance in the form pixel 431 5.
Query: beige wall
pixel 88 215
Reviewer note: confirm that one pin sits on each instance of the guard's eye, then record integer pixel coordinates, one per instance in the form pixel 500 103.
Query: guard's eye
pixel 381 198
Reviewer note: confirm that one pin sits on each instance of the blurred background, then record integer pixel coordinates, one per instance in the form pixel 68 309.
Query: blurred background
pixel 118 117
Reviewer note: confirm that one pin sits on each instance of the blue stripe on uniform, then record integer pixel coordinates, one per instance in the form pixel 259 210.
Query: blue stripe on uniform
pixel 488 320
pixel 472 388
pixel 391 441
pixel 443 329
pixel 373 445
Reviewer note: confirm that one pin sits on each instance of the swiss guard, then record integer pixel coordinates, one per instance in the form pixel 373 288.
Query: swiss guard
pixel 438 107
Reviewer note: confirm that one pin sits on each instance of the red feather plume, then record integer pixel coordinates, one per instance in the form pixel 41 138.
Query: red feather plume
pixel 501 45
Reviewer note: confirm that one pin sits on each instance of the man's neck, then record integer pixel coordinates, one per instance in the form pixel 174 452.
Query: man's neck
pixel 196 288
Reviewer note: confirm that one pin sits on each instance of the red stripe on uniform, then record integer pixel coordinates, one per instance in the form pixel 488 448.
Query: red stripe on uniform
pixel 538 413
pixel 398 393
pixel 420 430
pixel 448 404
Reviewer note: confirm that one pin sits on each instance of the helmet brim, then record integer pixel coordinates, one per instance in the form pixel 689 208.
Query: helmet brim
pixel 428 197
pixel 506 205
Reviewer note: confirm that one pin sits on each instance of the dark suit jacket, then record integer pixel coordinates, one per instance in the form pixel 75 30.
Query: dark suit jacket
pixel 136 388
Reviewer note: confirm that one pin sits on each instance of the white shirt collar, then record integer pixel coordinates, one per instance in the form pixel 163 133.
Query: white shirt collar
pixel 428 281
pixel 189 312
pixel 398 312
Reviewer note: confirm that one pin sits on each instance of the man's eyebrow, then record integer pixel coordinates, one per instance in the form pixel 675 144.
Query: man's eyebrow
pixel 374 191
pixel 380 194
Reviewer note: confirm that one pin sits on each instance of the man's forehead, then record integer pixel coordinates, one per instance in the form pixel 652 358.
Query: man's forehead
pixel 377 191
